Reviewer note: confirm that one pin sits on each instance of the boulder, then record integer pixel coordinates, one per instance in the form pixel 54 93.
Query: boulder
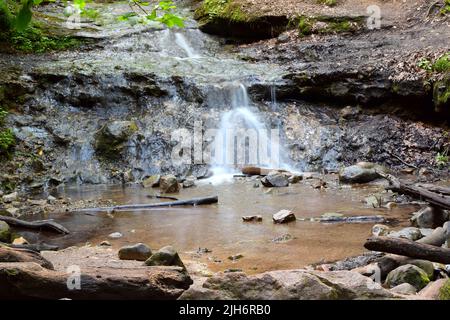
pixel 152 181
pixel 410 233
pixel 286 285
pixel 275 179
pixel 429 217
pixel 166 256
pixel 8 198
pixel 404 288
pixel 5 232
pixel 408 273
pixel 358 174
pixel 425 265
pixel 432 290
pixel 111 140
pixel 189 182
pixel 169 184
pixel 139 252
pixel 283 216
pixel 379 230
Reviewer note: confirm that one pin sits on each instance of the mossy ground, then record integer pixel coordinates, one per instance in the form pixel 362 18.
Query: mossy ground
pixel 444 293
pixel 223 9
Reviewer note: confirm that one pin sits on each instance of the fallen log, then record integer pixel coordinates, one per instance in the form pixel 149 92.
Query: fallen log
pixel 23 255
pixel 434 198
pixel 36 247
pixel 27 280
pixel 408 248
pixel 190 202
pixel 49 225
pixel 434 188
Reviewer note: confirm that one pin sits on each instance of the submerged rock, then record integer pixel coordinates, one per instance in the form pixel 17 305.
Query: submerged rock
pixel 283 216
pixel 408 273
pixel 166 256
pixel 5 232
pixel 360 173
pixel 252 218
pixel 169 184
pixel 139 252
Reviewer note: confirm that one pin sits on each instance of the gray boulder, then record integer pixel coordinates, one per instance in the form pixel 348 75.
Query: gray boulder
pixel 429 217
pixel 5 232
pixel 275 179
pixel 139 252
pixel 358 174
pixel 111 140
pixel 166 256
pixel 408 273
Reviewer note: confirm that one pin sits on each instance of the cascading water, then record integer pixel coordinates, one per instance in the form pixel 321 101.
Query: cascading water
pixel 242 139
pixel 183 43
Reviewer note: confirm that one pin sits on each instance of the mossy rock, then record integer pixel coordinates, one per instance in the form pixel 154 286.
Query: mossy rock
pixel 444 292
pixel 408 273
pixel 112 138
pixel 5 232
pixel 228 18
pixel 166 256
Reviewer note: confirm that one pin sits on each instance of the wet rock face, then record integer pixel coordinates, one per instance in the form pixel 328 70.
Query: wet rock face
pixel 286 285
pixel 111 140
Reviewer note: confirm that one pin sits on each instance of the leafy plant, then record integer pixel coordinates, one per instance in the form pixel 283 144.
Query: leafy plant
pixel 442 159
pixel 425 64
pixel 446 8
pixel 7 139
pixel 161 12
pixel 442 64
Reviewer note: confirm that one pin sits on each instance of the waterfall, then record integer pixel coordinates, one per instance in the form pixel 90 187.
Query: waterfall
pixel 242 139
pixel 182 42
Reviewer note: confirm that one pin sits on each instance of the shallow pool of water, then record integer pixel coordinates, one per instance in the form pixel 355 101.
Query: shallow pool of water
pixel 220 228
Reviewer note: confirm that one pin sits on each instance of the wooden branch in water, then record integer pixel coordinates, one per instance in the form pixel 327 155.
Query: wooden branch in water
pixel 434 198
pixel 49 225
pixel 189 202
pixel 37 247
pixel 408 248
pixel 162 197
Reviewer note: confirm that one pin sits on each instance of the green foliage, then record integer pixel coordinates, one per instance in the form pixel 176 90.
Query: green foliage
pixel 304 26
pixel 7 139
pixel 32 40
pixel 446 8
pixel 441 65
pixel 161 12
pixel 444 292
pixel 224 9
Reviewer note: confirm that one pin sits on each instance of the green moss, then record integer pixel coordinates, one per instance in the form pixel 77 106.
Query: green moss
pixel 329 3
pixel 34 40
pixel 444 292
pixel 223 9
pixel 442 64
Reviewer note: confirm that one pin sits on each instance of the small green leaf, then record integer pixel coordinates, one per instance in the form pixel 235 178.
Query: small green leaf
pixel 24 15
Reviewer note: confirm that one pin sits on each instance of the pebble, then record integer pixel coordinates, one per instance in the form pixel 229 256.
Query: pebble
pixel 115 235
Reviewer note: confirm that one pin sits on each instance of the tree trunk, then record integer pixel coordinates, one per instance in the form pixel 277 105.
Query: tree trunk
pixel 23 255
pixel 408 248
pixel 27 280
